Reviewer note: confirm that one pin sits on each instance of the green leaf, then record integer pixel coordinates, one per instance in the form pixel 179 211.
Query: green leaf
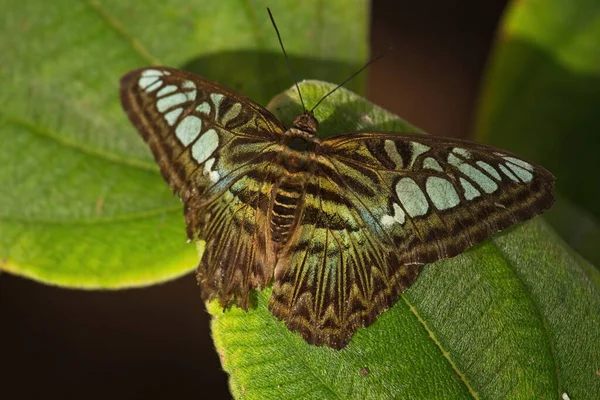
pixel 541 100
pixel 515 317
pixel 82 202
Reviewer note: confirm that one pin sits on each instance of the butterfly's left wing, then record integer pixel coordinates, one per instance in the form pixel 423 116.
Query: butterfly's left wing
pixel 380 206
pixel 209 143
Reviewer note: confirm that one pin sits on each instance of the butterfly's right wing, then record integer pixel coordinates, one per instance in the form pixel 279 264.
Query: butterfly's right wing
pixel 378 207
pixel 209 143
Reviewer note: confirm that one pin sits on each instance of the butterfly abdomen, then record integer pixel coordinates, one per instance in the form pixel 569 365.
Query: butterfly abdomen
pixel 287 199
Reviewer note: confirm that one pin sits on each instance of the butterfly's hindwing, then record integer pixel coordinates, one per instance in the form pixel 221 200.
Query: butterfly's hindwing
pixel 335 274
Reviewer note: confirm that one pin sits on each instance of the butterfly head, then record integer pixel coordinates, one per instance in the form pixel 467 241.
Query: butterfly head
pixel 307 123
pixel 302 136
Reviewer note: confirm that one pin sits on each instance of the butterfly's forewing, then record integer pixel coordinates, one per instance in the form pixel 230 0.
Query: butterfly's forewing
pixel 208 141
pixel 383 205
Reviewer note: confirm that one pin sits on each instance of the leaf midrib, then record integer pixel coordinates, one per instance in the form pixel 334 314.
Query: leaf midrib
pixel 538 312
pixel 116 25
pixel 91 151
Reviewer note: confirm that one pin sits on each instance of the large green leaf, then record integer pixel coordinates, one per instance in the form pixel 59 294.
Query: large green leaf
pixel 541 100
pixel 516 317
pixel 82 202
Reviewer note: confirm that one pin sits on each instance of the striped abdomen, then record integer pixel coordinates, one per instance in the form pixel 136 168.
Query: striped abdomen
pixel 286 205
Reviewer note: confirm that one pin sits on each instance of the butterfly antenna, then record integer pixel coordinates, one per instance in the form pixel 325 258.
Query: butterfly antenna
pixel 351 77
pixel 286 59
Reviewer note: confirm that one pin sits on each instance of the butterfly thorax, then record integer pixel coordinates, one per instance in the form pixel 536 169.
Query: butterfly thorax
pixel 301 144
pixel 298 160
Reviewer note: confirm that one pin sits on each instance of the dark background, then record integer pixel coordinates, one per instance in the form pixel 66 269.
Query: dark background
pixel 155 342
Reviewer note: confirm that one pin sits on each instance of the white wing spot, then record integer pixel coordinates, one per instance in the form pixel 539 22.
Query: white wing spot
pixel 171 116
pixel 212 175
pixel 489 169
pixel 387 220
pixel 208 166
pixel 205 146
pixel 412 197
pixel 146 81
pixel 165 103
pixel 470 191
pixel 392 152
pixel 216 98
pixel 154 72
pixel 462 152
pixel 154 86
pixel 191 95
pixel 486 183
pixel 520 163
pixel 431 163
pixel 188 85
pixel 417 149
pixel 166 90
pixel 522 173
pixel 508 173
pixel 398 217
pixel 204 108
pixel 188 130
pixel 442 193
pixel 233 112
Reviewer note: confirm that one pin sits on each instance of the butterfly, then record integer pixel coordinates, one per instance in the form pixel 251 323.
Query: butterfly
pixel 339 226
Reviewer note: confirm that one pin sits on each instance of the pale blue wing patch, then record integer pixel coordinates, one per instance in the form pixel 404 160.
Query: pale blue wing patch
pixel 203 108
pixel 392 152
pixel 412 197
pixel 166 90
pixel 489 169
pixel 469 190
pixel 416 150
pixel 150 79
pixel 172 116
pixel 431 163
pixel 522 173
pixel 188 129
pixel 462 152
pixel 233 112
pixel 205 146
pixel 483 181
pixel 217 99
pixel 442 193
pixel 506 172
pixel 399 216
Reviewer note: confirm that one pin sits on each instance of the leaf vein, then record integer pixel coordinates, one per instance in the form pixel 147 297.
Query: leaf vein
pixel 445 353
pixel 118 27
pixel 111 157
pixel 537 311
